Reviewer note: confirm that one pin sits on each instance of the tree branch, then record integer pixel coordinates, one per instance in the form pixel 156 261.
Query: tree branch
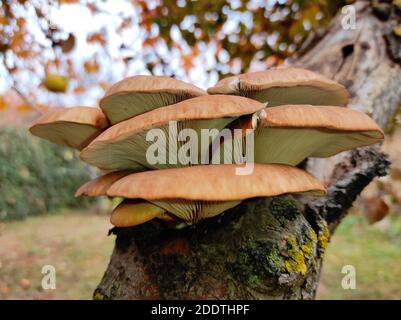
pixel 353 175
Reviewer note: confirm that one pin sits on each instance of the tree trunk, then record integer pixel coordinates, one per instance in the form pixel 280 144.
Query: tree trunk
pixel 272 248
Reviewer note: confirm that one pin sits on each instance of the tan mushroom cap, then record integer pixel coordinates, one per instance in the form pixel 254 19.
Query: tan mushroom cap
pixel 201 108
pixel 73 127
pixel 282 86
pixel 320 117
pixel 130 213
pixel 124 146
pixel 216 183
pixel 289 134
pixel 99 186
pixel 337 129
pixel 138 94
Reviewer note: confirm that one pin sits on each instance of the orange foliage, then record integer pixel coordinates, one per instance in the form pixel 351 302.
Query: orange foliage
pixel 15 110
pixel 156 21
pixel 98 37
pixel 91 66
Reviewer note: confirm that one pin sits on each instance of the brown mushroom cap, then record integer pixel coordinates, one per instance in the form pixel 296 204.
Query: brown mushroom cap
pixel 215 183
pixel 289 134
pixel 73 127
pixel 323 117
pixel 139 94
pixel 128 212
pixel 99 186
pixel 124 145
pixel 284 86
pixel 200 192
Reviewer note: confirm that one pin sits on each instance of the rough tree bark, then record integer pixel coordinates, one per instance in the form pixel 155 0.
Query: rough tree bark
pixel 273 248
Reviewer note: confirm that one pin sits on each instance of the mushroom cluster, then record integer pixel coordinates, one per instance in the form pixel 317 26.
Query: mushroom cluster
pixel 289 114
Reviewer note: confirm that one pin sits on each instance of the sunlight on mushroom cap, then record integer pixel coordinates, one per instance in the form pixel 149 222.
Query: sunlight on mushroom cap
pixel 138 94
pixel 73 127
pixel 284 86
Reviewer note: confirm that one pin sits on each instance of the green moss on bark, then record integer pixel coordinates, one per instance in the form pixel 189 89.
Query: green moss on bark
pixel 284 208
pixel 257 261
pixel 173 274
pixel 278 241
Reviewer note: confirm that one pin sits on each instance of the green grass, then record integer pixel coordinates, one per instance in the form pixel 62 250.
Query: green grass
pixel 76 244
pixel 374 251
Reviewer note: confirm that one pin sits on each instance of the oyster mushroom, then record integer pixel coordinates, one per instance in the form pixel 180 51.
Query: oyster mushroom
pixel 73 127
pixel 284 86
pixel 128 212
pixel 291 133
pixel 126 145
pixel 99 186
pixel 218 188
pixel 138 94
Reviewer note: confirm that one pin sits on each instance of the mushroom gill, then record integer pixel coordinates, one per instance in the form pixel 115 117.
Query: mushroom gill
pixel 291 133
pixel 162 133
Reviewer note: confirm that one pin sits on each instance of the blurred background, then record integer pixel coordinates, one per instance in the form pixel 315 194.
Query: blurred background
pixel 68 52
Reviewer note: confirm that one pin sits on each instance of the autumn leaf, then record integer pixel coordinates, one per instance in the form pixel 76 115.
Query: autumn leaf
pixel 375 209
pixel 91 66
pixel 187 59
pixel 98 37
pixel 67 1
pixel 17 42
pixel 68 44
pixel 79 89
pixel 149 42
pixel 187 63
pixel 24 108
pixel 92 7
pixel 3 20
pixel 273 61
pixel 55 82
pixel 3 104
pixel 127 22
pixel 20 23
